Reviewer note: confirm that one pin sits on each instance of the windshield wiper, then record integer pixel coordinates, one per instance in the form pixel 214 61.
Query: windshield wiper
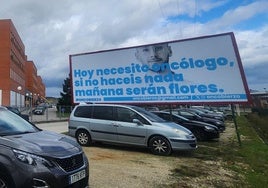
pixel 22 132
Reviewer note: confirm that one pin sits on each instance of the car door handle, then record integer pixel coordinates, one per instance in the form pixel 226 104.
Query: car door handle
pixel 115 125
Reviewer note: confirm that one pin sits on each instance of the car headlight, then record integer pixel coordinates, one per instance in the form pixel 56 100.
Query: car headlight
pixel 209 128
pixel 31 159
pixel 184 134
pixel 180 131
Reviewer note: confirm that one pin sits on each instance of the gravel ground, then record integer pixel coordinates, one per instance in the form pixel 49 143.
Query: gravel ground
pixel 121 167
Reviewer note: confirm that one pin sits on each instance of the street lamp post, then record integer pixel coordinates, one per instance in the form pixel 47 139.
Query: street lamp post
pixel 19 88
pixel 29 95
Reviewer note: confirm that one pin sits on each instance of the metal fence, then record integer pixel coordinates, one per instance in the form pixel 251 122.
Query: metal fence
pixel 60 113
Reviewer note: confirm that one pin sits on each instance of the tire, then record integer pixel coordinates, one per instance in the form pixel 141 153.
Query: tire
pixel 229 117
pixel 159 145
pixel 83 138
pixel 200 136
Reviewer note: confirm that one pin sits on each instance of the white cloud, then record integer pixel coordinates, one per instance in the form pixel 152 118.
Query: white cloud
pixel 253 46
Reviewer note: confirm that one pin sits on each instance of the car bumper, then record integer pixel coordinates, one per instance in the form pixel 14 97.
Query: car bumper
pixel 71 131
pixel 38 112
pixel 180 144
pixel 40 176
pixel 221 127
pixel 212 134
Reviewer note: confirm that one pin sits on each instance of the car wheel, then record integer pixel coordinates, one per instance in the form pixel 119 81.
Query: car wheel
pixel 159 145
pixel 200 136
pixel 229 117
pixel 83 138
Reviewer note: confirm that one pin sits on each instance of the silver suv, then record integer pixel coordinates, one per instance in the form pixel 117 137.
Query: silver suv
pixel 130 125
pixel 31 157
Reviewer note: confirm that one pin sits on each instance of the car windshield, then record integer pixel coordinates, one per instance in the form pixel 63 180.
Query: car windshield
pixel 199 112
pixel 149 115
pixel 182 118
pixel 13 109
pixel 11 124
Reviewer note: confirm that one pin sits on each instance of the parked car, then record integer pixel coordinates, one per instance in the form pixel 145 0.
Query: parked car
pixel 31 157
pixel 152 108
pixel 45 105
pixel 193 116
pixel 224 111
pixel 202 131
pixel 39 110
pixel 16 111
pixel 206 113
pixel 132 125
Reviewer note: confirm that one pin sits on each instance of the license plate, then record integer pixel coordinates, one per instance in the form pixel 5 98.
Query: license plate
pixel 77 176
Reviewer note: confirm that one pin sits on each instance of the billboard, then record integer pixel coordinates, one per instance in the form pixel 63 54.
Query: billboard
pixel 206 69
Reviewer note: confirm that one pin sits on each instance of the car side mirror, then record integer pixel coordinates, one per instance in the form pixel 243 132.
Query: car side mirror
pixel 138 122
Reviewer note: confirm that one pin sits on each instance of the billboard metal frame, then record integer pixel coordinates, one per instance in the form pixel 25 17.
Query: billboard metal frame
pixel 80 65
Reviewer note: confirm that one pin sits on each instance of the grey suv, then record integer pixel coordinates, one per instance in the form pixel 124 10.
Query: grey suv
pixel 130 125
pixel 31 157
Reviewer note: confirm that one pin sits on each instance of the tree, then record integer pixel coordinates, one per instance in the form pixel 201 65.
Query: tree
pixel 66 96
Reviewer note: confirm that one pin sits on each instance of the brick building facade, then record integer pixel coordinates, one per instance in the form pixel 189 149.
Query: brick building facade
pixel 20 84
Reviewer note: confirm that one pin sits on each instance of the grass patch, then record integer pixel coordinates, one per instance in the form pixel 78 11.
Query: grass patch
pixel 260 124
pixel 248 162
pixel 254 151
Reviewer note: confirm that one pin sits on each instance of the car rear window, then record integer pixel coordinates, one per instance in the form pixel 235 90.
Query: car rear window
pixel 83 111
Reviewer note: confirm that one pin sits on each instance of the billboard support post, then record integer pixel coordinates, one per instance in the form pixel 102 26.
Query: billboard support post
pixel 235 123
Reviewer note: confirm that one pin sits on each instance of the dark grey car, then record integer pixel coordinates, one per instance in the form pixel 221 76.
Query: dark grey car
pixel 202 131
pixel 31 157
pixel 193 116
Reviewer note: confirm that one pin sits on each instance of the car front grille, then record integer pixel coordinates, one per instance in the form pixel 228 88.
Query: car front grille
pixel 71 163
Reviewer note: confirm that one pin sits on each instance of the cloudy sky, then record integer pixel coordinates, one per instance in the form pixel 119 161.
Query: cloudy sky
pixel 52 30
